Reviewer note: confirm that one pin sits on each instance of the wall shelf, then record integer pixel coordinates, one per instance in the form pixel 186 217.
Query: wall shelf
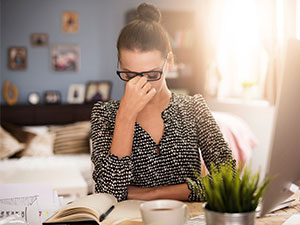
pixel 45 114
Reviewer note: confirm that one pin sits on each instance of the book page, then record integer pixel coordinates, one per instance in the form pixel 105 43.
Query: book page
pixel 128 209
pixel 95 204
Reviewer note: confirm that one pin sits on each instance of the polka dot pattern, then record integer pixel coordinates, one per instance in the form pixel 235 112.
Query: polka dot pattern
pixel 188 128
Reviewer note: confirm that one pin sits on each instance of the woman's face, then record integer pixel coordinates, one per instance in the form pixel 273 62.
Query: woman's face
pixel 137 61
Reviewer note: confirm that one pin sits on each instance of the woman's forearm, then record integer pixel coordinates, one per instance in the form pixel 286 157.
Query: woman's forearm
pixel 121 145
pixel 177 192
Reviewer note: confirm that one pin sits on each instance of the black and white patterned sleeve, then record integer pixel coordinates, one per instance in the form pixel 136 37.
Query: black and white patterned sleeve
pixel 111 174
pixel 214 149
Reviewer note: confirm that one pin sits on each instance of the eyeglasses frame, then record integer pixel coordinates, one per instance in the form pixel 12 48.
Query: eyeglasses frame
pixel 141 73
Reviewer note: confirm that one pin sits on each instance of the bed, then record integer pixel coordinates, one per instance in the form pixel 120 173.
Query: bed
pixel 70 123
pixel 47 137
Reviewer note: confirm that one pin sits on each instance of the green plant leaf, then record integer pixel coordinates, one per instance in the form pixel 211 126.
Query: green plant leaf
pixel 229 190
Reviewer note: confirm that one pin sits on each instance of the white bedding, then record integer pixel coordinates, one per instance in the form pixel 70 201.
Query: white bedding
pixel 80 161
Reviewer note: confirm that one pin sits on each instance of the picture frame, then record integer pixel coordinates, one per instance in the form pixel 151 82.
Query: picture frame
pixel 70 22
pixel 98 91
pixel 52 97
pixel 39 39
pixel 76 94
pixel 17 58
pixel 65 58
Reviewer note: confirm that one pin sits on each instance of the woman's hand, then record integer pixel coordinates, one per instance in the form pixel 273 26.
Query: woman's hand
pixel 138 93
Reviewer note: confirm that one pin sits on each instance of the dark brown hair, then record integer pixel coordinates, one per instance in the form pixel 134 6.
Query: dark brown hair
pixel 145 33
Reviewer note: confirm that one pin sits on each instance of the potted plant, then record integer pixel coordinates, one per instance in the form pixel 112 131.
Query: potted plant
pixel 232 196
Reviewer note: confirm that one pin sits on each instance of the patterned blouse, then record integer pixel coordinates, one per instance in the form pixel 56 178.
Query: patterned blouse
pixel 188 128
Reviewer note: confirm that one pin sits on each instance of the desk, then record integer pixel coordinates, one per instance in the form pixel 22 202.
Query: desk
pixel 275 218
pixel 195 208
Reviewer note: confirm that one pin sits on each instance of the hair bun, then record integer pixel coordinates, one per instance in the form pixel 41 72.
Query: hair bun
pixel 148 12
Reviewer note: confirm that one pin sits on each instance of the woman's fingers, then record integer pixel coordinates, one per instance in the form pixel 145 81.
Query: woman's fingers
pixel 138 93
pixel 141 82
pixel 134 80
pixel 147 87
pixel 150 94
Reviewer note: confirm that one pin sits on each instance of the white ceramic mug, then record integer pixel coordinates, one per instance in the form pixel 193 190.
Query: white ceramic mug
pixel 164 212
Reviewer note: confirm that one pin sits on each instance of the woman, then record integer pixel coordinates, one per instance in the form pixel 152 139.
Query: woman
pixel 147 144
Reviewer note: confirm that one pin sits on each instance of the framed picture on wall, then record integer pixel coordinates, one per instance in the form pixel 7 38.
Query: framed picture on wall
pixel 76 93
pixel 98 91
pixel 65 58
pixel 17 58
pixel 52 97
pixel 39 39
pixel 70 22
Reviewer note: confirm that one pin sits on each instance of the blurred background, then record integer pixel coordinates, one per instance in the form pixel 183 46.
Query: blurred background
pixel 59 56
pixel 224 49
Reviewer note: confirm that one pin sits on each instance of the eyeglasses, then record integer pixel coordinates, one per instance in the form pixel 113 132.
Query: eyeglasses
pixel 152 75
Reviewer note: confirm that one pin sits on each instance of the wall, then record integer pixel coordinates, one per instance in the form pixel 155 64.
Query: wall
pixel 100 22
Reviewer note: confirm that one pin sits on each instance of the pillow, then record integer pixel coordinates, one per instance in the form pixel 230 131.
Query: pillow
pixel 36 129
pixel 40 145
pixel 72 138
pixel 18 132
pixel 37 140
pixel 9 145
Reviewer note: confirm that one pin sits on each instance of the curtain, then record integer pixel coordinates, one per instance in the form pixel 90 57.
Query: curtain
pixel 242 47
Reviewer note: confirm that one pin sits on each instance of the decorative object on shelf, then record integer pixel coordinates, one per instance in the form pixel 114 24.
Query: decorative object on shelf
pixel 249 90
pixel 17 58
pixel 70 22
pixel 33 98
pixel 10 93
pixel 39 39
pixel 76 93
pixel 232 197
pixel 65 58
pixel 98 91
pixel 52 97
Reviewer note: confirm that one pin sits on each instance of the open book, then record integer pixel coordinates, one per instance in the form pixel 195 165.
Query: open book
pixel 96 208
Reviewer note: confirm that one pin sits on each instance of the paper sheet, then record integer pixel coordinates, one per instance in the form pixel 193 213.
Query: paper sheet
pixel 34 202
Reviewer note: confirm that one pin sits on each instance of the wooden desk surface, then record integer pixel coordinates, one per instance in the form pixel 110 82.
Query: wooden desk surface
pixel 282 215
pixel 275 218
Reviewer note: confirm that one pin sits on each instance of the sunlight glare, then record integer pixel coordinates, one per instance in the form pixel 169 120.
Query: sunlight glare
pixel 298 19
pixel 239 43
